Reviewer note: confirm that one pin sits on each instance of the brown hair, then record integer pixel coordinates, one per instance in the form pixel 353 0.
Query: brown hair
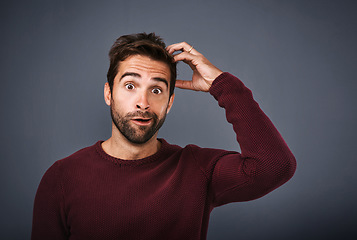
pixel 149 45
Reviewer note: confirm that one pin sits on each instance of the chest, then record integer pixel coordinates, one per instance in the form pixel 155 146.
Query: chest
pixel 167 198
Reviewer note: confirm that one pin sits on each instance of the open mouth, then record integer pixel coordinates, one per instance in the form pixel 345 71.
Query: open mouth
pixel 142 121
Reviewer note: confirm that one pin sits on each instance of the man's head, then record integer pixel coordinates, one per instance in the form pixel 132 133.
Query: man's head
pixel 140 86
pixel 143 44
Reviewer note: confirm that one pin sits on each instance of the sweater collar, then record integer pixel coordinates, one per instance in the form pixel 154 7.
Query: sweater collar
pixel 164 149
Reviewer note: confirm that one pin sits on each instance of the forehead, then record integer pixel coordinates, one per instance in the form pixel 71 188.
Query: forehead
pixel 144 65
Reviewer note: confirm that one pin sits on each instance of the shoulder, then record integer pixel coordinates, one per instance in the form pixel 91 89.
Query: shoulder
pixel 74 165
pixel 207 158
pixel 193 150
pixel 201 154
pixel 204 155
pixel 81 154
pixel 197 152
pixel 84 151
pixel 76 160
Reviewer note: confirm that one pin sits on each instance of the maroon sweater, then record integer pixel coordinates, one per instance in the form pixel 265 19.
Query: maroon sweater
pixel 169 195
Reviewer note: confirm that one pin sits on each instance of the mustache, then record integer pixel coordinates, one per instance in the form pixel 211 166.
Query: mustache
pixel 141 114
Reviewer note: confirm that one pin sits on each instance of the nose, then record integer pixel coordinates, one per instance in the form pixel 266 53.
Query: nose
pixel 143 102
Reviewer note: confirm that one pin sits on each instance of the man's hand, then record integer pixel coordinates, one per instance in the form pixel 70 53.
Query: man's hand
pixel 204 72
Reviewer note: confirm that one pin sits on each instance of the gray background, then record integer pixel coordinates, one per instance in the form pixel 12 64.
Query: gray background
pixel 298 57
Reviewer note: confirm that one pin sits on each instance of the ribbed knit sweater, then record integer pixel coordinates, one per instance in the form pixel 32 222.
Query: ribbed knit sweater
pixel 169 195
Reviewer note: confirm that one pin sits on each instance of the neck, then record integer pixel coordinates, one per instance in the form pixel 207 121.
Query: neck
pixel 120 147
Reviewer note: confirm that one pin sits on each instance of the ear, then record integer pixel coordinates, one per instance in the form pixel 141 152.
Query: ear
pixel 171 101
pixel 107 94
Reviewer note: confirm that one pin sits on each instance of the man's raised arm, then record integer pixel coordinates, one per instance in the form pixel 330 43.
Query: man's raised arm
pixel 265 163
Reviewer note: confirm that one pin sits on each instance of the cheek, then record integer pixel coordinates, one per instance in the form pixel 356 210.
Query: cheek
pixel 161 108
pixel 120 104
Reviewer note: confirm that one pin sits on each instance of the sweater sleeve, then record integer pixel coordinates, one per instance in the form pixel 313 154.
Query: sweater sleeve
pixel 48 214
pixel 265 161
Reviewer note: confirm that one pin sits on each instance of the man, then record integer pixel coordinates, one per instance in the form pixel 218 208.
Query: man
pixel 136 186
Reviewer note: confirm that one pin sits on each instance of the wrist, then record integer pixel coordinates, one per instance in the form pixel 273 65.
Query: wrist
pixel 215 72
pixel 214 75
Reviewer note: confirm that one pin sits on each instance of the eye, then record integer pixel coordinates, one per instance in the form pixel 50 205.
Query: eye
pixel 156 91
pixel 129 86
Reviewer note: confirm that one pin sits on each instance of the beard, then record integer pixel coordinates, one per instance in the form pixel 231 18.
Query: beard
pixel 137 134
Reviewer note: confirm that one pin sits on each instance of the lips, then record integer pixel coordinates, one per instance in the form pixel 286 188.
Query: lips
pixel 142 121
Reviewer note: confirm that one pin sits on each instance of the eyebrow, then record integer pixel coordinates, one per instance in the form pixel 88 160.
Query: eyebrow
pixel 133 74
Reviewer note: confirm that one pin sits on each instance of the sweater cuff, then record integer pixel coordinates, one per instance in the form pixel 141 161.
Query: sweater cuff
pixel 226 83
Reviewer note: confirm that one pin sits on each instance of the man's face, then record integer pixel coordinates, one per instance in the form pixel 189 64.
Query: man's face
pixel 140 98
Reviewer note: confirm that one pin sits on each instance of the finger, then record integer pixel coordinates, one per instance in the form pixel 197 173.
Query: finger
pixel 187 58
pixel 175 47
pixel 182 46
pixel 184 84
